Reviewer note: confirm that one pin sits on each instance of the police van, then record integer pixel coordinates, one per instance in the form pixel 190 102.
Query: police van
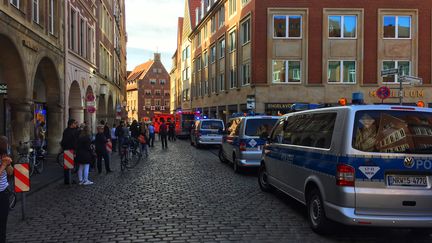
pixel 207 132
pixel 366 165
pixel 244 139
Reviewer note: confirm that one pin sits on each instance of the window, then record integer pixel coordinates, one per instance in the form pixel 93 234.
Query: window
pixel 199 38
pixel 213 24
pixel 342 26
pixel 205 31
pixel 286 71
pixel 404 65
pixel 221 81
pixel 147 102
pixel 212 54
pixel 222 48
pixel 233 78
pixel 287 26
pixel 162 81
pixel 167 103
pixel 154 70
pixel 341 72
pixel 166 93
pixel 82 37
pixel 397 27
pixel 213 85
pixel 186 53
pixel 15 3
pixel 246 74
pixel 152 81
pixel 157 92
pixel 157 102
pixel 232 4
pixel 198 63
pixel 185 74
pixel 206 87
pixel 245 31
pixel 148 92
pixel 244 2
pixel 35 12
pixel 232 41
pixel 221 17
pixel 51 16
pixel 72 44
pixel 205 59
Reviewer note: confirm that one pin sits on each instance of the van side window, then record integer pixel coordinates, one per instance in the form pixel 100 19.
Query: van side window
pixel 310 130
pixel 278 133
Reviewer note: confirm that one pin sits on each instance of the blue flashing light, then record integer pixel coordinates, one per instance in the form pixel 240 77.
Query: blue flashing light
pixel 205 117
pixel 357 98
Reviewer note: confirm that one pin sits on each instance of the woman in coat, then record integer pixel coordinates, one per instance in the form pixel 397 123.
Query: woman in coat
pixel 101 151
pixel 84 156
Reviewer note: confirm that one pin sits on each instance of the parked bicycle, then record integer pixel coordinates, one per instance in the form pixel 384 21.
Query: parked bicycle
pixel 33 155
pixel 12 194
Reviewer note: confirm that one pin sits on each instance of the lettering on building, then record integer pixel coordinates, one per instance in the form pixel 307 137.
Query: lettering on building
pixel 406 93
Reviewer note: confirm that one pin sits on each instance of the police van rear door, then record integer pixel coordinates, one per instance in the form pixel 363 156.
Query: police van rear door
pixel 393 165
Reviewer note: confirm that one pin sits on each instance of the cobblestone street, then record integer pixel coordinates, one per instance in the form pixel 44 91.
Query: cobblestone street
pixel 182 195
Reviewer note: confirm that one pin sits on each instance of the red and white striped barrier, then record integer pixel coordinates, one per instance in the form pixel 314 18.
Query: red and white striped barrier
pixel 68 157
pixel 22 177
pixel 109 147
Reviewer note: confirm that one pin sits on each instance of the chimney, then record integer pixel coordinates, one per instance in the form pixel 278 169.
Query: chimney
pixel 157 57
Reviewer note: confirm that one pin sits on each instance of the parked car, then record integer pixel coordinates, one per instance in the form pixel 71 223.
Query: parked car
pixel 244 139
pixel 207 132
pixel 366 165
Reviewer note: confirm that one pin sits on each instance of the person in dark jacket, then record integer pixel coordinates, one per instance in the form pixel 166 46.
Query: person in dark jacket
pixel 101 151
pixel 145 134
pixel 69 142
pixel 163 132
pixel 84 156
pixel 106 130
pixel 171 131
pixel 134 129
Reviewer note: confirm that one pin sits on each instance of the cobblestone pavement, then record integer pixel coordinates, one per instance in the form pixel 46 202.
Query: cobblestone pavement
pixel 181 195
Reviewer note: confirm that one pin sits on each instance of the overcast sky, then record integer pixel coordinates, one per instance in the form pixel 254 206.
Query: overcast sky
pixel 151 25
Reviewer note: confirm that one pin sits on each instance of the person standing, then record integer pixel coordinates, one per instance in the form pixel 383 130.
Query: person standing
pixel 84 156
pixel 101 151
pixel 171 131
pixel 41 134
pixel 163 133
pixel 113 138
pixel 5 170
pixel 144 135
pixel 120 134
pixel 69 142
pixel 151 129
pixel 106 130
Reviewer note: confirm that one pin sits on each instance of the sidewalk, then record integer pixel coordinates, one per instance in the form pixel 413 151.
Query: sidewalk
pixel 52 172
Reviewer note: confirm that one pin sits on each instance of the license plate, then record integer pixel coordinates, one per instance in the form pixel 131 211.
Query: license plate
pixel 402 180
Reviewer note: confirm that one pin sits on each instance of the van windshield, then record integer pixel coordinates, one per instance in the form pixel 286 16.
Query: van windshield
pixel 393 132
pixel 213 125
pixel 259 127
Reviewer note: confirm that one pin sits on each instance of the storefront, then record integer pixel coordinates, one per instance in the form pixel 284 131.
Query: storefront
pixel 277 109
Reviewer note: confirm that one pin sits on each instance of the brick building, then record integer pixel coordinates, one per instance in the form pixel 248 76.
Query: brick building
pixel 281 52
pixel 148 90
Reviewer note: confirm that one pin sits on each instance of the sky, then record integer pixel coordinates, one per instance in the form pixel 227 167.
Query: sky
pixel 151 26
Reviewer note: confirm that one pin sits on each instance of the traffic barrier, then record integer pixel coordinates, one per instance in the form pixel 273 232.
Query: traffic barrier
pixel 109 147
pixel 22 177
pixel 68 157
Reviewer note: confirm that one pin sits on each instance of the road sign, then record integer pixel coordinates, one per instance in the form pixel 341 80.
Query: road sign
pixel 68 157
pixel 91 109
pixel 412 80
pixel 3 89
pixel 118 108
pixel 90 97
pixel 383 92
pixel 387 72
pixel 250 102
pixel 22 178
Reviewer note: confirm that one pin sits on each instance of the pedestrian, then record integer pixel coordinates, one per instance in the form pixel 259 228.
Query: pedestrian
pixel 106 130
pixel 84 156
pixel 40 135
pixel 151 129
pixel 134 129
pixel 101 151
pixel 144 139
pixel 163 132
pixel 113 138
pixel 5 170
pixel 119 133
pixel 171 131
pixel 69 142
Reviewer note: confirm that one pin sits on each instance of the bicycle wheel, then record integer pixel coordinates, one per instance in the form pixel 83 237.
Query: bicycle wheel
pixel 60 159
pixel 32 162
pixel 39 166
pixel 12 199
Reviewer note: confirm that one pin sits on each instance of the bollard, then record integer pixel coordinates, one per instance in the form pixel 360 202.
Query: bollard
pixel 68 157
pixel 22 183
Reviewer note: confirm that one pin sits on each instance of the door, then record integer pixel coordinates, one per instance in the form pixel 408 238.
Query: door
pixel 273 152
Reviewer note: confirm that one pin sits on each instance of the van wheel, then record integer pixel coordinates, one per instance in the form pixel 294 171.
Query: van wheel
pixel 222 156
pixel 263 179
pixel 316 214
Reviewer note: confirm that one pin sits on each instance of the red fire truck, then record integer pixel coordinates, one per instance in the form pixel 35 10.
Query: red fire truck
pixel 183 121
pixel 157 120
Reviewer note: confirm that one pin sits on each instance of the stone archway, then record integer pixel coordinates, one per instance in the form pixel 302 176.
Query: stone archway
pixel 47 103
pixel 15 107
pixel 76 110
pixel 101 113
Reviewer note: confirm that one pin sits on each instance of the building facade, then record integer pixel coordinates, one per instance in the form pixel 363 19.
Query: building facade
pixel 32 70
pixel 148 90
pixel 176 73
pixel 95 60
pixel 279 53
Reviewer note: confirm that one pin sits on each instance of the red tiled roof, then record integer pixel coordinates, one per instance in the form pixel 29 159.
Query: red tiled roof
pixel 140 71
pixel 193 4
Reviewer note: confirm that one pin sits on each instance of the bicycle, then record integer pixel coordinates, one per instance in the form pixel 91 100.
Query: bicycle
pixel 130 154
pixel 12 195
pixel 32 155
